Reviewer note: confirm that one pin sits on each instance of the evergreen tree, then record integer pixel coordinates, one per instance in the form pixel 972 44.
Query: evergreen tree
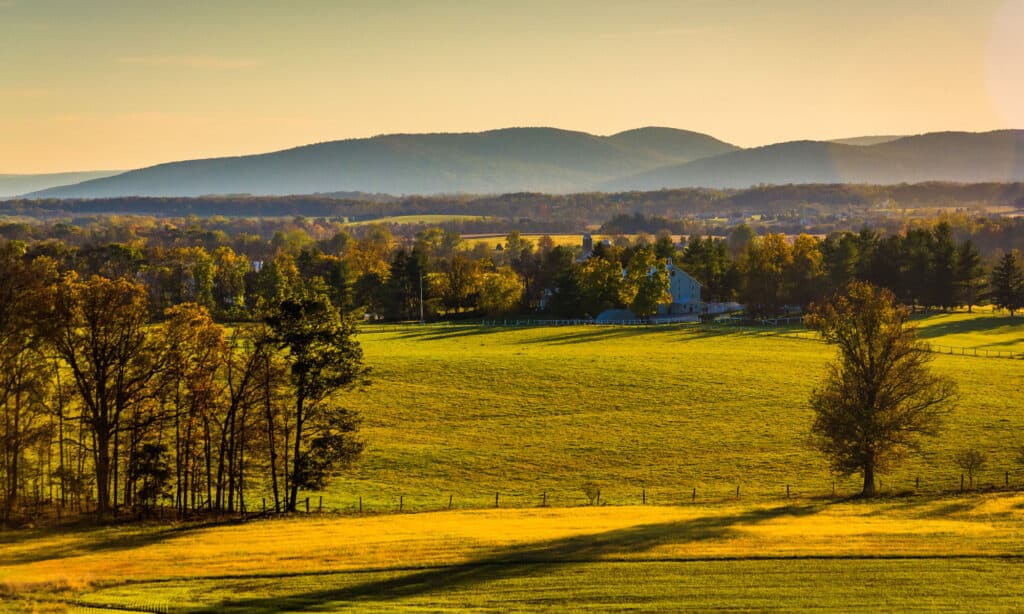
pixel 1007 284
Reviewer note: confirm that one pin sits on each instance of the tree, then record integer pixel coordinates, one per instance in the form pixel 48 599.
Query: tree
pixel 969 274
pixel 766 263
pixel 324 358
pixel 879 397
pixel 1007 283
pixel 971 461
pixel 646 285
pixel 25 371
pixel 501 292
pixel 101 333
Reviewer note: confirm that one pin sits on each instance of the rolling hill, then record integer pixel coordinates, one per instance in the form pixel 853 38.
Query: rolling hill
pixel 508 160
pixel 13 185
pixel 941 156
pixel 560 161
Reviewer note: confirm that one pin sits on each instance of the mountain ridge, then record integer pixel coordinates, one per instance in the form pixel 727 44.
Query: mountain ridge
pixel 552 160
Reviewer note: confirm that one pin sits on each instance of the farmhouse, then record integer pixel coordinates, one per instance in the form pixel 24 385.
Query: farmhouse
pixel 685 291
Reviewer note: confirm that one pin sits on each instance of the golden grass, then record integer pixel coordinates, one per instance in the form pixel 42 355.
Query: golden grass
pixel 982 525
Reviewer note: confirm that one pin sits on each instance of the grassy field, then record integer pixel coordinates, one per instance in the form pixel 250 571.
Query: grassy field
pixel 467 412
pixel 420 219
pixel 681 415
pixel 983 330
pixel 897 553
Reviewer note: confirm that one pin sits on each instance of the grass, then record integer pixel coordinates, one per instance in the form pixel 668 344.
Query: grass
pixel 468 411
pixel 420 219
pixel 720 555
pixel 985 330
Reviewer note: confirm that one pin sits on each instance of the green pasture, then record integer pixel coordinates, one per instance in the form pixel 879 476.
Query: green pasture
pixel 467 412
pixel 982 331
pixel 420 219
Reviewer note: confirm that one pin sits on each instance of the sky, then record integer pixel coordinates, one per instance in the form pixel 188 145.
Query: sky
pixel 103 84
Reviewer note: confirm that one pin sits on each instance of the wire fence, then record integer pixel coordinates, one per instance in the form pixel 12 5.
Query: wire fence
pixel 789 327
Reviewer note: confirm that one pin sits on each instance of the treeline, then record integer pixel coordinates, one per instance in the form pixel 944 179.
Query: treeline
pixel 574 210
pixel 102 409
pixel 234 270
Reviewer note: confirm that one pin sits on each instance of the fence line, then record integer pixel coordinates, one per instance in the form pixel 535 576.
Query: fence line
pixel 765 325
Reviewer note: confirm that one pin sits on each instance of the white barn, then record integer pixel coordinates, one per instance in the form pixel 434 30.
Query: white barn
pixel 685 292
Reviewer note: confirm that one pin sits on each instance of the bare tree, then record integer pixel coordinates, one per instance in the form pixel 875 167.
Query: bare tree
pixel 971 461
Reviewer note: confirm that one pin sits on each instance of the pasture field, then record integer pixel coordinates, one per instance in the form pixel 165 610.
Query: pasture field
pixel 983 330
pixel 426 218
pixel 916 552
pixel 467 411
pixel 676 417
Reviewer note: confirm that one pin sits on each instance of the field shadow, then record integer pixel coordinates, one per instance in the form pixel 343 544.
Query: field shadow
pixel 437 333
pixel 99 540
pixel 987 325
pixel 515 562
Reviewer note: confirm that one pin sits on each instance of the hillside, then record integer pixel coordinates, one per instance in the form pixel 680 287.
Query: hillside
pixel 941 156
pixel 15 185
pixel 559 161
pixel 509 160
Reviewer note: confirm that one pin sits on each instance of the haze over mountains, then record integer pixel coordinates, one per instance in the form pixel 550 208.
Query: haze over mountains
pixel 14 185
pixel 561 161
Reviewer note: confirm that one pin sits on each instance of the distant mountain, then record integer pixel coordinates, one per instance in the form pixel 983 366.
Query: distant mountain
pixel 940 156
pixel 15 185
pixel 560 161
pixel 497 161
pixel 868 140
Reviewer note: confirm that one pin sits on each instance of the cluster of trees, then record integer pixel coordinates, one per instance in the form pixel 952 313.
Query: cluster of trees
pixel 235 274
pixel 825 208
pixel 98 403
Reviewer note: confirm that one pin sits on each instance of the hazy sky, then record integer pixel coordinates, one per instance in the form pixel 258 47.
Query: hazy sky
pixel 122 84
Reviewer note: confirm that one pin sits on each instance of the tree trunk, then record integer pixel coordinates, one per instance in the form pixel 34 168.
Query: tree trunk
pixel 270 436
pixel 869 480
pixel 294 498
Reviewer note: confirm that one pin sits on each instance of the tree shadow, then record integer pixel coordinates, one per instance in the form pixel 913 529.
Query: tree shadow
pixel 517 561
pixel 988 325
pixel 101 539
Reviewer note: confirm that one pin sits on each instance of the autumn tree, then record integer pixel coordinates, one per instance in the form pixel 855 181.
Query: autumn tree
pixel 879 397
pixel 324 358
pixel 25 370
pixel 101 332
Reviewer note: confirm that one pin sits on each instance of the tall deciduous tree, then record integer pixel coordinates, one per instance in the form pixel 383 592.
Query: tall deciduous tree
pixel 879 397
pixel 101 333
pixel 324 358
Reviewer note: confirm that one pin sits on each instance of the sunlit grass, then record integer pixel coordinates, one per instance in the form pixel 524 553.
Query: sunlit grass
pixel 657 412
pixel 468 412
pixel 421 558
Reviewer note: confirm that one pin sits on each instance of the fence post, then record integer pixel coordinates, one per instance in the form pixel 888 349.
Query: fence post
pixel 360 504
pixel 544 499
pixel 833 488
pixel 737 491
pixel 495 499
pixel 1007 478
pixel 961 482
pixel 787 491
pixel 643 496
pixel 401 502
pixel 307 505
pixel 320 505
pixel 917 482
pixel 450 501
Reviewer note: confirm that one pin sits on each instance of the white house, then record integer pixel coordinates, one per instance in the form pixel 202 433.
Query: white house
pixel 685 292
